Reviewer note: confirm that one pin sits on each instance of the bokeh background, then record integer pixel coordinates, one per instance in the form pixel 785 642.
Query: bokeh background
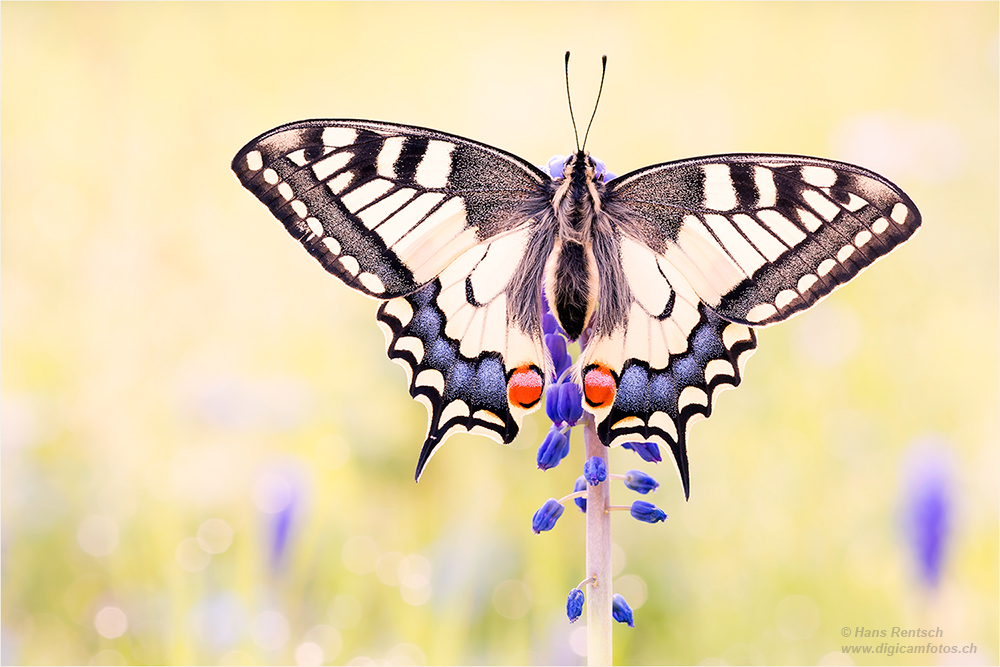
pixel 207 457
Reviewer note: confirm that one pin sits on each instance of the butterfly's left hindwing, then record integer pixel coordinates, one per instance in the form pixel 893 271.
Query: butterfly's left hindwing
pixel 438 226
pixel 460 392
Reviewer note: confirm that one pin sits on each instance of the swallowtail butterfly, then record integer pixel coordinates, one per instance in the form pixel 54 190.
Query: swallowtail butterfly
pixel 667 268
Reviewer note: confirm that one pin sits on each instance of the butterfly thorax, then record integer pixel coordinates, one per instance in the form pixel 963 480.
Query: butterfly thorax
pixel 571 272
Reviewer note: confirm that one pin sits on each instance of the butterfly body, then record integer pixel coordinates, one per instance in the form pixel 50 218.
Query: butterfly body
pixel 666 268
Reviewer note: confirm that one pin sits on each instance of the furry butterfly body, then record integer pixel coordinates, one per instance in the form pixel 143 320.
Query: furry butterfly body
pixel 662 273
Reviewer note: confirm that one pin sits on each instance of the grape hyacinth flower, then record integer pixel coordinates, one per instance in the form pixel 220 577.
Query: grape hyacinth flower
pixel 564 402
pixel 647 512
pixel 647 451
pixel 564 407
pixel 580 485
pixel 595 470
pixel 621 611
pixel 574 604
pixel 547 515
pixel 640 482
pixel 554 448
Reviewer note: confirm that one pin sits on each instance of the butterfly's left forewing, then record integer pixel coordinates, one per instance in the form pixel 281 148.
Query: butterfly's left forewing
pixel 446 231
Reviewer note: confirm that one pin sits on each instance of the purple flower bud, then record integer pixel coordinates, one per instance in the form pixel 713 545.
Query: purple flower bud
pixel 554 449
pixel 647 451
pixel 639 481
pixel 595 470
pixel 581 484
pixel 561 360
pixel 550 324
pixel 557 165
pixel 564 403
pixel 620 610
pixel 574 604
pixel 647 512
pixel 546 516
pixel 602 172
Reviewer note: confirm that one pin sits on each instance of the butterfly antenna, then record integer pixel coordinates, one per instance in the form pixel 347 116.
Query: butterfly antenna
pixel 604 70
pixel 569 98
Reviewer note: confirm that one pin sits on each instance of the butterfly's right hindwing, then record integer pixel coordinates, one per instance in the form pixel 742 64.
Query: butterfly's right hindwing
pixel 385 207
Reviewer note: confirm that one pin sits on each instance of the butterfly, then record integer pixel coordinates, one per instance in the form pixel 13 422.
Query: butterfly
pixel 663 272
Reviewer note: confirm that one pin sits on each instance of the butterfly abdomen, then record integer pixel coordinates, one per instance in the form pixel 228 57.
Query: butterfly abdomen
pixel 571 275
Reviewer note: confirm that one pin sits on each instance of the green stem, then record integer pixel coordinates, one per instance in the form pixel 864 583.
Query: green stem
pixel 598 557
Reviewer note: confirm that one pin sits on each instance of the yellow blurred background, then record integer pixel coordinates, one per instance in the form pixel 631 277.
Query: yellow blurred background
pixel 207 457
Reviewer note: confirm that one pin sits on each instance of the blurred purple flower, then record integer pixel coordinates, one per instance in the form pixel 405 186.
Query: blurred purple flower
pixel 928 506
pixel 277 496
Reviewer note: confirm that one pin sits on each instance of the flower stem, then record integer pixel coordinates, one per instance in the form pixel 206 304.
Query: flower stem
pixel 598 557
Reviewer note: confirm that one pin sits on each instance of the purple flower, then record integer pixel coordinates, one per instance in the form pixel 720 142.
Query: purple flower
pixel 546 516
pixel 640 482
pixel 647 512
pixel 550 325
pixel 561 361
pixel 554 449
pixel 574 604
pixel 647 451
pixel 602 172
pixel 581 484
pixel 595 470
pixel 927 507
pixel 557 165
pixel 564 403
pixel 620 610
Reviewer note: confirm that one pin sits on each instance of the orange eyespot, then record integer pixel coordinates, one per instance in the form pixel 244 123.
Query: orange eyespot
pixel 599 387
pixel 524 388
